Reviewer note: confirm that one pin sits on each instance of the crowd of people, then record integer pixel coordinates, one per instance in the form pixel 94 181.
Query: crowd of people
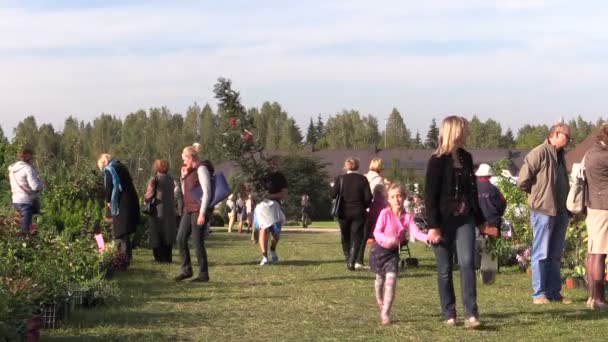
pixel 459 204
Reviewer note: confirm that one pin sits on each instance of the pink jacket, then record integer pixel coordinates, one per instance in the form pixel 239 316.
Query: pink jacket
pixel 390 226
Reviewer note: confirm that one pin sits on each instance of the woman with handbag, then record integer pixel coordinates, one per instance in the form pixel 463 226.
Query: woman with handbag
pixel 452 213
pixel 355 197
pixel 25 188
pixel 121 199
pixel 596 174
pixel 161 223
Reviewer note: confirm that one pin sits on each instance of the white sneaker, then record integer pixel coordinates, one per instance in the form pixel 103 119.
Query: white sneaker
pixel 359 266
pixel 264 261
pixel 274 257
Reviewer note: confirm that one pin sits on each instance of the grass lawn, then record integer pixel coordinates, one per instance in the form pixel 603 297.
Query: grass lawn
pixel 311 296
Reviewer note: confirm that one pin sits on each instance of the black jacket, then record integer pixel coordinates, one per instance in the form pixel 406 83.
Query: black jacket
pixel 491 202
pixel 128 217
pixel 356 195
pixel 439 193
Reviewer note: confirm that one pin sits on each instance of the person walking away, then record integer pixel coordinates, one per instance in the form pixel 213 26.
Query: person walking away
pixel 452 213
pixel 121 198
pixel 241 212
pixel 269 218
pixel 250 206
pixel 306 208
pixel 161 223
pixel 390 230
pixel 25 189
pixel 196 187
pixel 596 173
pixel 231 209
pixel 544 177
pixel 352 213
pixel 378 190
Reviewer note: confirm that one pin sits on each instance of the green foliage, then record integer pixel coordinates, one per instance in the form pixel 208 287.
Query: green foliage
pixel 517 205
pixel 306 175
pixel 530 136
pixel 350 130
pixel 396 133
pixel 432 136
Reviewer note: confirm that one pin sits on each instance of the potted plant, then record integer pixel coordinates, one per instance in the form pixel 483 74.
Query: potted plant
pixel 523 260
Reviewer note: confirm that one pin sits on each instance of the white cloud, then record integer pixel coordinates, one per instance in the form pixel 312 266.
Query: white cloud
pixel 512 57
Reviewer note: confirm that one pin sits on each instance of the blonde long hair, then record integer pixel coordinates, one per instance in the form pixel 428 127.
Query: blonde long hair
pixel 454 132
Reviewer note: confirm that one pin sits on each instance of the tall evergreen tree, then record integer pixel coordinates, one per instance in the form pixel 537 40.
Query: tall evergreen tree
pixel 508 140
pixel 311 134
pixel 396 133
pixel 417 140
pixel 432 136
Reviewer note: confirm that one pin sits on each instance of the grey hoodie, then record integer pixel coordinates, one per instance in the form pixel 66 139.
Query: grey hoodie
pixel 25 184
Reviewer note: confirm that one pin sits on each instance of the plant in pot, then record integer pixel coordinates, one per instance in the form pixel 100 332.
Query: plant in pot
pixel 575 278
pixel 523 260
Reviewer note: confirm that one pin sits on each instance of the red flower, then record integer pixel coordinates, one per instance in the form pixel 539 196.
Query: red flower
pixel 232 122
pixel 247 136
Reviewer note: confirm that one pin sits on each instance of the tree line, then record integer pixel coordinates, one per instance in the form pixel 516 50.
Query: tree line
pixel 142 136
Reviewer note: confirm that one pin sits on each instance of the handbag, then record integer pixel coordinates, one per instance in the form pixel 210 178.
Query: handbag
pixel 335 203
pixel 219 188
pixel 575 202
pixel 149 208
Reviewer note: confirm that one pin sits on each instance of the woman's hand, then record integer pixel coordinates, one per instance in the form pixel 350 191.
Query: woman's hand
pixel 434 236
pixel 201 219
pixel 184 171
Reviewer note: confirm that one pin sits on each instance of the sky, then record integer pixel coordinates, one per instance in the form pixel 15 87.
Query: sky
pixel 516 61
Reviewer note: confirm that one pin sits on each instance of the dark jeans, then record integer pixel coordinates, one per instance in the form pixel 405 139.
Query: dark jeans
pixel 351 230
pixel 363 243
pixel 163 253
pixel 188 227
pixel 459 238
pixel 27 213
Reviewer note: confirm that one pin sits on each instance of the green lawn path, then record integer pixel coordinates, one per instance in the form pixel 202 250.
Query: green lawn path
pixel 311 296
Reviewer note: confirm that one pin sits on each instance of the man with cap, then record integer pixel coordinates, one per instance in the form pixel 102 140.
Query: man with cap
pixel 491 201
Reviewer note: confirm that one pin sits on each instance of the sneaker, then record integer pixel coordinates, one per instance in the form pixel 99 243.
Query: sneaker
pixel 472 323
pixel 541 300
pixel 264 261
pixel 359 266
pixel 274 257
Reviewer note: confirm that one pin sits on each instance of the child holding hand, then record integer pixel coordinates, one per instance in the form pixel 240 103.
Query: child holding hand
pixel 393 222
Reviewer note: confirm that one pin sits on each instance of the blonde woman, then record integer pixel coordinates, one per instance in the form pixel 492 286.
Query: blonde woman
pixel 121 199
pixel 231 209
pixel 196 189
pixel 376 186
pixel 452 213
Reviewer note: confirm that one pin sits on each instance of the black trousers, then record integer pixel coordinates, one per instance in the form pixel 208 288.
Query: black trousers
pixel 188 227
pixel 351 230
pixel 163 253
pixel 363 243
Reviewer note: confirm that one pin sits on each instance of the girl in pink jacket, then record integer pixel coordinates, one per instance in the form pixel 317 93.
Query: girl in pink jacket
pixel 392 224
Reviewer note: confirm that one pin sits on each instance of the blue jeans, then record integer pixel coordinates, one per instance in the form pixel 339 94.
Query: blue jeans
pixel 547 248
pixel 459 238
pixel 27 213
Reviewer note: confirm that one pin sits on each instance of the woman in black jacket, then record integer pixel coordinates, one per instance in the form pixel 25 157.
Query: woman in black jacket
pixel 121 198
pixel 452 212
pixel 352 214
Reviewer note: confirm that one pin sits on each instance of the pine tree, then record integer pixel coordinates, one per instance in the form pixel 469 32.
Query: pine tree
pixel 508 140
pixel 396 133
pixel 432 136
pixel 238 142
pixel 311 134
pixel 417 140
pixel 320 128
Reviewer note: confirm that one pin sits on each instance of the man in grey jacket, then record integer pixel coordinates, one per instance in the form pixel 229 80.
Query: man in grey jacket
pixel 25 187
pixel 544 177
